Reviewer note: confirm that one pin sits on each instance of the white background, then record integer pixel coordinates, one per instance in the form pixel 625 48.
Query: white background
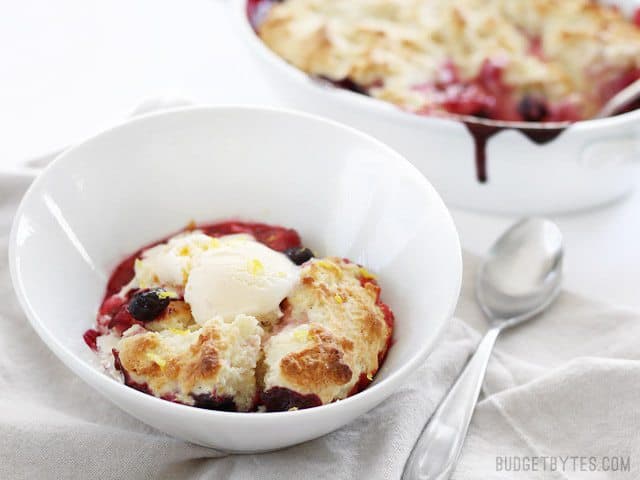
pixel 71 67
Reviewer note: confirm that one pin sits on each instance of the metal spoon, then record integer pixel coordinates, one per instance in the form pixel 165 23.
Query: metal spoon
pixel 518 279
pixel 624 97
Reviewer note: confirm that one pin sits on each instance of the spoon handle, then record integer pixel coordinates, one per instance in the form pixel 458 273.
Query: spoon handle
pixel 620 100
pixel 435 454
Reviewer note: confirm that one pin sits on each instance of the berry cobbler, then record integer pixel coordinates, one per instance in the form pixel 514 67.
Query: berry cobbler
pixel 241 317
pixel 513 60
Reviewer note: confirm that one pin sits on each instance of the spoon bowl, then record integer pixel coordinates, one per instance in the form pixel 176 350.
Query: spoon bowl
pixel 522 273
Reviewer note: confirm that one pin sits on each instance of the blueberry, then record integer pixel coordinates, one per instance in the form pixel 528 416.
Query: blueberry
pixel 148 304
pixel 298 255
pixel 532 108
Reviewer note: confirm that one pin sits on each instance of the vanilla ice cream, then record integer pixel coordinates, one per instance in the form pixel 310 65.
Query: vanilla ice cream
pixel 225 276
pixel 240 276
pixel 169 264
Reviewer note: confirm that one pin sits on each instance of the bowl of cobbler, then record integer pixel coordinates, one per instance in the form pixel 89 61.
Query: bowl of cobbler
pixel 494 101
pixel 241 278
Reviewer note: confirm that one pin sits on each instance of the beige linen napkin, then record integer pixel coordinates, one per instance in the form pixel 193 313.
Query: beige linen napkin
pixel 565 386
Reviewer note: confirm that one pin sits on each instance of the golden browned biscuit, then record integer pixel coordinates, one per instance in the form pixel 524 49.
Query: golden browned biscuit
pixel 333 335
pixel 177 315
pixel 213 366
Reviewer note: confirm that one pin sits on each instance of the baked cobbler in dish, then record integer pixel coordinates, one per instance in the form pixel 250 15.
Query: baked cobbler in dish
pixel 239 316
pixel 514 60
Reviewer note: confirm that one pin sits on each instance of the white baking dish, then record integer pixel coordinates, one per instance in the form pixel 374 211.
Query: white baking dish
pixel 590 163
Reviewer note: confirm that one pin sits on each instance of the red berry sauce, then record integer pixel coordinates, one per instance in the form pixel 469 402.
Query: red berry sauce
pixel 114 316
pixel 90 337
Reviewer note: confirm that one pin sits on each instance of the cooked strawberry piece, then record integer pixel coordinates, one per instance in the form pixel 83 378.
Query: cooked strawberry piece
pixel 277 238
pixel 111 305
pixel 535 47
pixel 563 112
pixel 90 338
pixel 490 77
pixel 468 100
pixel 122 321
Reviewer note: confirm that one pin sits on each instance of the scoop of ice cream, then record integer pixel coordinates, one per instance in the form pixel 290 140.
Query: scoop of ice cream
pixel 169 264
pixel 241 276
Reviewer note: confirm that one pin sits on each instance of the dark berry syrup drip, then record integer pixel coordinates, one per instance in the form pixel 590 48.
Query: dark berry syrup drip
pixel 482 132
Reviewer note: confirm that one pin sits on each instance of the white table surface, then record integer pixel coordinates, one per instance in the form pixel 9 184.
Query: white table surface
pixel 72 67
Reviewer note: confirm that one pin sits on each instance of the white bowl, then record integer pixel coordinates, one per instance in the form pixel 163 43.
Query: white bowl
pixel 590 163
pixel 346 193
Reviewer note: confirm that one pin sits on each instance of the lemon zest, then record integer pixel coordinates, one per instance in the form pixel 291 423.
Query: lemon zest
pixel 214 243
pixel 178 331
pixel 301 334
pixel 157 359
pixel 162 294
pixel 330 266
pixel 364 273
pixel 255 267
